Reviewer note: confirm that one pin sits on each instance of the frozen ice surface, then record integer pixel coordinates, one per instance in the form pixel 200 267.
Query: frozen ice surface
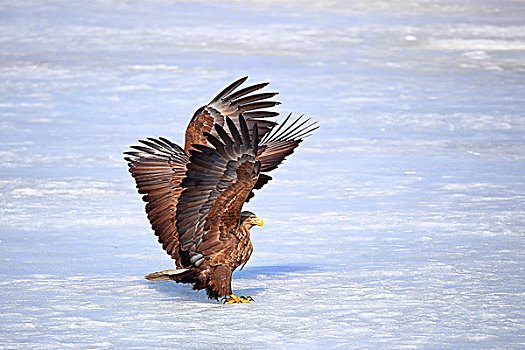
pixel 399 224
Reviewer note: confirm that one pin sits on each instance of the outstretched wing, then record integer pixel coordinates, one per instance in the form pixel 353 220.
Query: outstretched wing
pixel 159 166
pixel 282 141
pixel 230 103
pixel 217 182
pixel 279 144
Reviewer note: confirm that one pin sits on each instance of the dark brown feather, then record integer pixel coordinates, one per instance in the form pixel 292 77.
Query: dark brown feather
pixel 280 143
pixel 158 169
pixel 216 200
pixel 230 104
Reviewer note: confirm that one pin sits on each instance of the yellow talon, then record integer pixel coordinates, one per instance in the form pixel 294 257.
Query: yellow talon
pixel 233 299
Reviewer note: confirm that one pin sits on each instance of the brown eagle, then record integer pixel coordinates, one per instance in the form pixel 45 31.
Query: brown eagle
pixel 194 196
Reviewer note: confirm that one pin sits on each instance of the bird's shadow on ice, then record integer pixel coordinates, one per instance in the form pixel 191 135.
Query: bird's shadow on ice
pixel 184 292
pixel 254 272
pixel 176 291
pixel 263 273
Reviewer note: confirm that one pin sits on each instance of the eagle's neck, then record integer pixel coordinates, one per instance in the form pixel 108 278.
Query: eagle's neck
pixel 245 247
pixel 244 231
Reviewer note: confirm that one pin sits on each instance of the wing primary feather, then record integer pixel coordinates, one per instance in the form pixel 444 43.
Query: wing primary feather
pixel 202 148
pixel 235 134
pixel 229 89
pixel 173 145
pixel 144 149
pixel 224 135
pixel 228 142
pixel 131 153
pixel 268 136
pixel 305 132
pixel 260 114
pixel 257 105
pixel 163 142
pixel 214 141
pixel 247 90
pixel 279 137
pixel 292 132
pixel 244 130
pixel 254 97
pixel 286 135
pixel 246 142
pixel 155 146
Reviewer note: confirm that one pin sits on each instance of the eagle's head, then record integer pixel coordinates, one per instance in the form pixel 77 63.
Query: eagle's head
pixel 249 219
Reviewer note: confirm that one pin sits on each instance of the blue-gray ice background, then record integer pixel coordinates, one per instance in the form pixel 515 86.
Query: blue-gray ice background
pixel 399 224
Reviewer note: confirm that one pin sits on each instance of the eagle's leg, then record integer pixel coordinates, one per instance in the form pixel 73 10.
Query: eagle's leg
pixel 234 299
pixel 220 284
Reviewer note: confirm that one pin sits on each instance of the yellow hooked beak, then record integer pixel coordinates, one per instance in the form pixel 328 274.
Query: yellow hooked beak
pixel 259 222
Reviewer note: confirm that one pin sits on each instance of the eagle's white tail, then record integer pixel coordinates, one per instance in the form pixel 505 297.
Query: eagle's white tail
pixel 166 275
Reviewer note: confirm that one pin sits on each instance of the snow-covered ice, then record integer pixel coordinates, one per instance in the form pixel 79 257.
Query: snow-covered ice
pixel 398 224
